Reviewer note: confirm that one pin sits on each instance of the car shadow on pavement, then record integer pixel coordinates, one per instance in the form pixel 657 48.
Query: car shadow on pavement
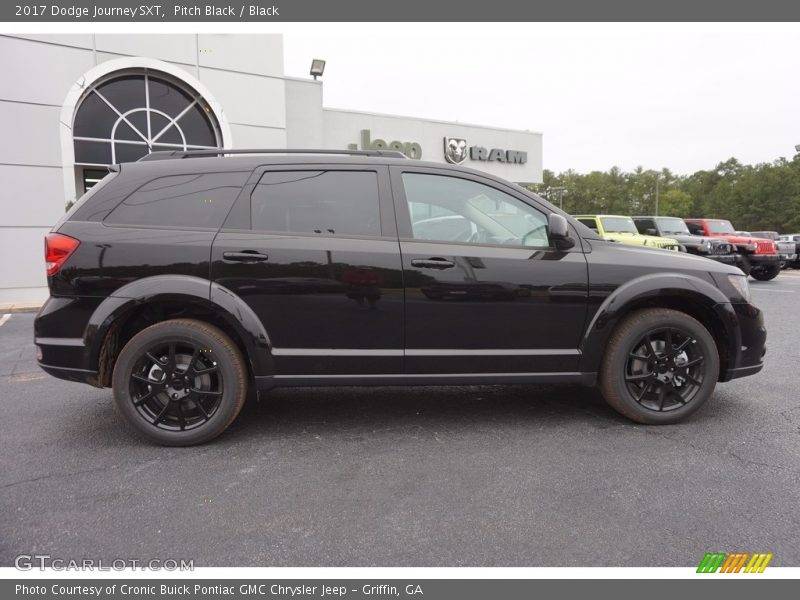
pixel 373 409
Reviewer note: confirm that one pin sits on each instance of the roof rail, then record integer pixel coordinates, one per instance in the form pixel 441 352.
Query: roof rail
pixel 173 154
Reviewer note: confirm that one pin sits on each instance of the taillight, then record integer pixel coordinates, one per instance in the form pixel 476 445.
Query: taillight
pixel 57 249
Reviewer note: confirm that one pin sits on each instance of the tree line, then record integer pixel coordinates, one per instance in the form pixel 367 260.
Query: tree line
pixel 758 197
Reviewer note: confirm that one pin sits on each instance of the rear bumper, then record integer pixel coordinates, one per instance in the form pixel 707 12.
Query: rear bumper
pixel 59 336
pixel 78 375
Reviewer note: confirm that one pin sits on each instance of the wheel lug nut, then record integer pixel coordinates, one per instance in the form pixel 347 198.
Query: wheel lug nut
pixel 174 396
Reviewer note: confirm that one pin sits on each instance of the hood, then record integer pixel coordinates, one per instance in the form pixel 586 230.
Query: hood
pixel 690 238
pixel 663 260
pixel 738 239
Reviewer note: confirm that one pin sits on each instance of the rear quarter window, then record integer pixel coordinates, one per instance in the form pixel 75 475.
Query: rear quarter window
pixel 198 200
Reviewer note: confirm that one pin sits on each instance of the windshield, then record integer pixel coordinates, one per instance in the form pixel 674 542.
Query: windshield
pixel 673 225
pixel 618 225
pixel 720 227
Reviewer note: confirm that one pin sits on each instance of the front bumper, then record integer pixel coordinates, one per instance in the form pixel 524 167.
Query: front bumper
pixel 764 260
pixel 725 259
pixel 747 338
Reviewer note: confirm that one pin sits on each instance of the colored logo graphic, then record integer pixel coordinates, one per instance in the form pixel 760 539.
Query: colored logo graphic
pixel 734 562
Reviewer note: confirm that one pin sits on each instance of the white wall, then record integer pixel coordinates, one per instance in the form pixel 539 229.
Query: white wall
pixel 341 128
pixel 243 72
pixel 304 116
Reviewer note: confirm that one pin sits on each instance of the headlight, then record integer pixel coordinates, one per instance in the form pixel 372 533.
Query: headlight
pixel 704 246
pixel 742 286
pixel 748 247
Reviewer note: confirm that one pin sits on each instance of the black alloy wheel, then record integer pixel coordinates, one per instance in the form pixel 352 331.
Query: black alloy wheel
pixel 176 385
pixel 665 369
pixel 180 382
pixel 660 366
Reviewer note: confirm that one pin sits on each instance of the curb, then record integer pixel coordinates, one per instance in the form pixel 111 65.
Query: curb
pixel 19 308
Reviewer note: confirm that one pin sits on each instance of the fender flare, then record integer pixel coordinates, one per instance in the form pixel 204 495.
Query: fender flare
pixel 642 289
pixel 190 290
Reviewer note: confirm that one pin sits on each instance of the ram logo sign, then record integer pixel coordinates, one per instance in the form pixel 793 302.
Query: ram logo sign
pixel 735 562
pixel 456 151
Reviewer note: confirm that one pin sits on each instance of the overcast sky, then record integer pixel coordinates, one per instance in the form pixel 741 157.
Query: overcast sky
pixel 666 95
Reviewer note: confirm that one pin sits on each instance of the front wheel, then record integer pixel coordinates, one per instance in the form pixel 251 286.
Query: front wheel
pixel 180 382
pixel 661 365
pixel 766 273
pixel 745 265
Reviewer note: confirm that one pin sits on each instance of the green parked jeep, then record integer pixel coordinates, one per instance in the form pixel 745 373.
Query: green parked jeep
pixel 617 228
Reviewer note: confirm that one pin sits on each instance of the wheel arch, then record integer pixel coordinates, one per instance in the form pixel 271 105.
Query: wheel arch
pixel 684 293
pixel 147 301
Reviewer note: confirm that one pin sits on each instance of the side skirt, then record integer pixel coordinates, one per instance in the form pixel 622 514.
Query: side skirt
pixel 399 379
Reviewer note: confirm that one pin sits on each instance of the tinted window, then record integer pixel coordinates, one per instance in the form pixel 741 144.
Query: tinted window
pixel 451 209
pixel 321 202
pixel 590 223
pixel 200 200
pixel 618 225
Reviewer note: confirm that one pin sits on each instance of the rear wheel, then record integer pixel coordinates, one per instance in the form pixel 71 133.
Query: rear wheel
pixel 180 382
pixel 765 273
pixel 661 365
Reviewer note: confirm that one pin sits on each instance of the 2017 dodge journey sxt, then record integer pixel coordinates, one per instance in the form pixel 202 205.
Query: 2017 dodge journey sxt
pixel 184 279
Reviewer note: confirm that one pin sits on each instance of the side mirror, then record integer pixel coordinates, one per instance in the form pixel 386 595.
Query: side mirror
pixel 650 231
pixel 559 232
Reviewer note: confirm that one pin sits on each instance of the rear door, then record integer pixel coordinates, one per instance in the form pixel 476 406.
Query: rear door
pixel 313 250
pixel 485 290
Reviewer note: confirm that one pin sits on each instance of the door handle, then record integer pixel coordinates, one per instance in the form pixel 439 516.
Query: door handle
pixel 432 263
pixel 245 256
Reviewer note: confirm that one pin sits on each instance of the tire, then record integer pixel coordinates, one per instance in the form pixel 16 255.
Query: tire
pixel 766 273
pixel 156 396
pixel 622 377
pixel 746 266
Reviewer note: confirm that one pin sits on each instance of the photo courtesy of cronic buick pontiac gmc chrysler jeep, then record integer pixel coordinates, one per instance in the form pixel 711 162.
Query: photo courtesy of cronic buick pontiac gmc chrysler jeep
pixel 185 279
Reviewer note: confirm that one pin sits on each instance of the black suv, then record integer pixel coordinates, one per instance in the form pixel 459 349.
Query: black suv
pixel 185 279
pixel 675 228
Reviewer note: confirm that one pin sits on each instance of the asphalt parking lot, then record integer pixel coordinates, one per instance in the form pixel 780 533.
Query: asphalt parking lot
pixel 458 476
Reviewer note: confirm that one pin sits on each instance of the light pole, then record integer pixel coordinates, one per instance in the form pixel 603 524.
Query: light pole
pixel 657 174
pixel 549 191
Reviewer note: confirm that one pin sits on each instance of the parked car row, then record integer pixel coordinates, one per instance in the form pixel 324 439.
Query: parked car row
pixel 761 254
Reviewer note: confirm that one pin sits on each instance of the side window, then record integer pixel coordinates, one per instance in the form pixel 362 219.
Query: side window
pixel 590 223
pixel 642 225
pixel 451 209
pixel 338 203
pixel 695 228
pixel 197 200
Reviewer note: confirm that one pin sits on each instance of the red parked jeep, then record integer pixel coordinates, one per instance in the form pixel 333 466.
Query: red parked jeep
pixel 759 256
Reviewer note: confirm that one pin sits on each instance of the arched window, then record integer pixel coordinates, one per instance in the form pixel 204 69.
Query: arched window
pixel 129 114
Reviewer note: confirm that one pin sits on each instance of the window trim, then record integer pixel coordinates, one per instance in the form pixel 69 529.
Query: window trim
pixel 405 231
pixel 240 216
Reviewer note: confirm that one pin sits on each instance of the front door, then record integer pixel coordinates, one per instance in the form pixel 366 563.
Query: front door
pixel 485 290
pixel 314 252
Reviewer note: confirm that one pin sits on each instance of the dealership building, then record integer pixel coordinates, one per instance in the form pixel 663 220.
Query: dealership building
pixel 70 105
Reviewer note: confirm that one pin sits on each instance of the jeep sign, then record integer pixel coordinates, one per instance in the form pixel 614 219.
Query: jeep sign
pixel 410 149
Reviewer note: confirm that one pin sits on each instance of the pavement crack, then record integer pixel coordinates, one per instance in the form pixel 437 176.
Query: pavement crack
pixel 51 475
